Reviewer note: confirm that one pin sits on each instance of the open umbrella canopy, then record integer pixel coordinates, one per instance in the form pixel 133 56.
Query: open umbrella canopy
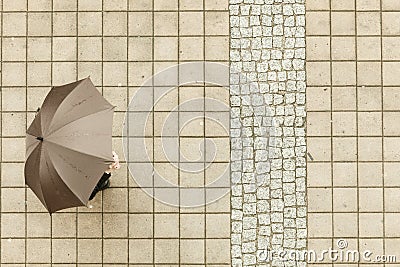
pixel 69 145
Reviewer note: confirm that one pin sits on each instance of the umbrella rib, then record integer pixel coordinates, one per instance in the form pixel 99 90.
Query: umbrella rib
pixel 56 130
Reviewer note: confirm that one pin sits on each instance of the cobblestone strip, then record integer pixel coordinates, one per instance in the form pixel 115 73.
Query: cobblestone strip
pixel 268 148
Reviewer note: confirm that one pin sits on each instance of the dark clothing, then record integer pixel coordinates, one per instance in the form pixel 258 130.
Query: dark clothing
pixel 101 185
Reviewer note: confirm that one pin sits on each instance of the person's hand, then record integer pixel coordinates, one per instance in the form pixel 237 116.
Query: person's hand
pixel 115 165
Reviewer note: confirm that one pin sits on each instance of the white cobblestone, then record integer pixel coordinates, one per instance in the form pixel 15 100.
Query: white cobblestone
pixel 267 128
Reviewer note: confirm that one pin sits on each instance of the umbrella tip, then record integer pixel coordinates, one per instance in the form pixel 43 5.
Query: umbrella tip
pixel 39 138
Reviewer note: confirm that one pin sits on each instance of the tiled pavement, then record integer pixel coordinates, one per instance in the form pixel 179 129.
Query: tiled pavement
pixel 353 66
pixel 119 44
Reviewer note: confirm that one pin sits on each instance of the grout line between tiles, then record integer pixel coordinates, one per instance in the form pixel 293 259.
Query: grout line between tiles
pixel 383 136
pixel 26 122
pixel 1 116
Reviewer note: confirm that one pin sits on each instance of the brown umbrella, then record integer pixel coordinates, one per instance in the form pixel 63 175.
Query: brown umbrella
pixel 69 145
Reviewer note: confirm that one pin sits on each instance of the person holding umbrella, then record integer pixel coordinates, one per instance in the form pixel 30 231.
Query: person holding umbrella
pixel 104 182
pixel 69 146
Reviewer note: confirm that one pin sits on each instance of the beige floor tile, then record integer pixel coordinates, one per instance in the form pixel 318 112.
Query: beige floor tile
pixel 216 48
pixel 18 5
pixel 139 201
pixel 316 220
pixel 342 5
pixel 163 5
pixel 140 5
pixel 115 225
pixel 318 23
pixel 89 23
pixel 217 225
pixel 344 174
pixel 390 5
pixel 392 246
pixel 217 174
pixel 344 199
pixel 192 225
pixel 392 221
pixel 13 225
pixel 368 48
pixel 388 20
pixel 317 5
pixel 12 174
pixel 13 199
pixel 369 73
pixel 318 174
pixel 389 75
pixel 64 225
pixel 64 24
pixel 368 23
pixel 343 48
pixel 390 48
pixel 63 72
pixel 13 251
pixel 344 123
pixel 318 99
pixel 370 199
pixel 319 124
pixel 14 49
pixel 141 225
pixel 370 224
pixel 38 225
pixel 391 196
pixel 318 73
pixel 217 250
pixel 141 251
pixel 369 98
pixel 166 23
pixel 343 23
pixel 319 199
pixel 370 174
pixel 115 23
pixel 38 250
pixel 345 224
pixel 367 5
pixel 14 74
pixel 191 5
pixel 139 48
pixel 166 225
pixel 115 250
pixel 114 48
pixel 85 5
pixel 13 124
pixel 115 200
pixel 89 250
pixel 390 148
pixel 166 251
pixel 192 174
pixel 39 73
pixel 344 149
pixel 14 24
pixel 216 23
pixel 319 148
pixel 375 244
pixel 140 23
pixel 89 225
pixel 191 23
pixel 370 123
pixel 370 148
pixel 192 251
pixel 64 250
